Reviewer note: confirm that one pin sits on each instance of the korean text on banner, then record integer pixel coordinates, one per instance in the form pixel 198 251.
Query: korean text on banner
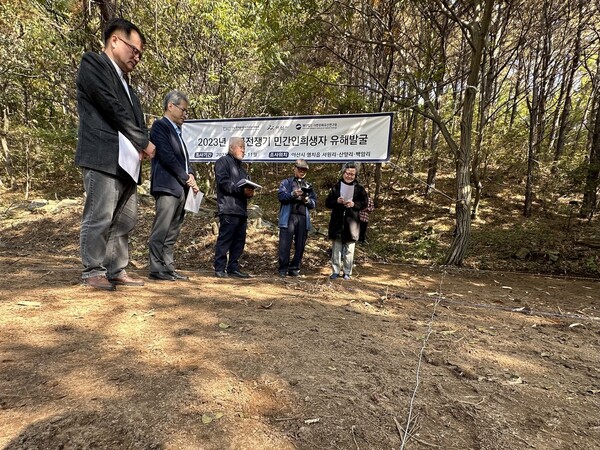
pixel 330 138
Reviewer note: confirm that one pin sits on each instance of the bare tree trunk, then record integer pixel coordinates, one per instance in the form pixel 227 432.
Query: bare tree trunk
pixel 462 235
pixel 433 148
pixel 108 9
pixel 559 107
pixel 432 169
pixel 484 101
pixel 413 143
pixel 590 191
pixel 531 155
pixel 489 94
pixel 376 200
pixel 8 167
pixel 537 107
pixel 566 111
pixel 515 101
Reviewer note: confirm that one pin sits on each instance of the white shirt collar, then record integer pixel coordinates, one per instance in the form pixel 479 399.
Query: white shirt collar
pixel 174 124
pixel 117 68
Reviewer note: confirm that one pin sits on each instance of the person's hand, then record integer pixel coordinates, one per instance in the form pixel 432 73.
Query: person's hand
pixel 349 204
pixel 191 182
pixel 249 192
pixel 149 152
pixel 340 200
pixel 297 193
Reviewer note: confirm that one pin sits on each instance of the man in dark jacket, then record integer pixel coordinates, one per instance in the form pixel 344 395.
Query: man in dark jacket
pixel 172 178
pixel 345 200
pixel 232 202
pixel 297 198
pixel 107 108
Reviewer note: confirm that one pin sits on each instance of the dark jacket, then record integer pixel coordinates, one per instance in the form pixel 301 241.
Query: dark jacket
pixel 169 170
pixel 344 222
pixel 287 200
pixel 105 109
pixel 230 198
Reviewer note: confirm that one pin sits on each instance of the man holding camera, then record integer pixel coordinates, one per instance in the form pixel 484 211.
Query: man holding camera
pixel 296 197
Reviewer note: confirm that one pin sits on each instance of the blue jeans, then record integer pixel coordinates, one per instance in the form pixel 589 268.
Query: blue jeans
pixel 165 231
pixel 232 239
pixel 109 215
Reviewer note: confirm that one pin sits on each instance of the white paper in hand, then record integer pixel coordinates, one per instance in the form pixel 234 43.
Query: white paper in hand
pixel 129 158
pixel 193 201
pixel 247 183
pixel 346 191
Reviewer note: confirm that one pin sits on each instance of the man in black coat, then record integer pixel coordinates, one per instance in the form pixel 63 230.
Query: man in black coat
pixel 172 177
pixel 108 106
pixel 232 203
pixel 344 225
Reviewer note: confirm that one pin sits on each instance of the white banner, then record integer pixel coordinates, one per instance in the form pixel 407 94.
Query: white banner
pixel 349 137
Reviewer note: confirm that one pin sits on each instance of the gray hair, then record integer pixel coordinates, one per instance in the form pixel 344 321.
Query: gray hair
pixel 351 165
pixel 235 141
pixel 175 97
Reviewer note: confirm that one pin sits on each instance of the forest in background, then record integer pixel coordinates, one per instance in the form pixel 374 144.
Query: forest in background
pixel 482 90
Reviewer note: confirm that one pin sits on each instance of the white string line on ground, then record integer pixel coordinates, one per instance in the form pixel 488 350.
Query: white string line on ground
pixel 404 438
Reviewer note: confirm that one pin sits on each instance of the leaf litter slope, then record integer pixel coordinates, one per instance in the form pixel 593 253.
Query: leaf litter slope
pixel 293 363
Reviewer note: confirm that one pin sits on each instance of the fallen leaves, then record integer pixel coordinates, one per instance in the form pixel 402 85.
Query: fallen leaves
pixel 208 418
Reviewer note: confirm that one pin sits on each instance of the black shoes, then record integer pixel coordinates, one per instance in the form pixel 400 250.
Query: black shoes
pixel 283 274
pixel 178 276
pixel 233 273
pixel 294 273
pixel 164 276
pixel 238 274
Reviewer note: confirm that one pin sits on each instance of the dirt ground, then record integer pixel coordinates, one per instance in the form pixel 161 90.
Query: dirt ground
pixel 400 356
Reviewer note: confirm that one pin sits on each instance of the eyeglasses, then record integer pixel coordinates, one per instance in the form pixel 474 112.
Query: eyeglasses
pixel 137 53
pixel 183 110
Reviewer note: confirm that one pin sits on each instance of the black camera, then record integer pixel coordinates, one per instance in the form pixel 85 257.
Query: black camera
pixel 306 188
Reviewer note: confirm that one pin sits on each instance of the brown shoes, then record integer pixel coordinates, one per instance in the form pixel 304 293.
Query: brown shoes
pixel 99 282
pixel 125 280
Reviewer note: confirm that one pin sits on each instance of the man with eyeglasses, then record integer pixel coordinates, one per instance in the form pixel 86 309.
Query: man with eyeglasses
pixel 232 205
pixel 108 106
pixel 172 178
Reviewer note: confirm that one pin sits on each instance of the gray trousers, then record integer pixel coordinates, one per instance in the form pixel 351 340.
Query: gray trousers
pixel 109 215
pixel 167 224
pixel 342 256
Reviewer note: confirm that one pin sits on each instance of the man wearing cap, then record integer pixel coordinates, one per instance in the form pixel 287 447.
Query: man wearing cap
pixel 297 198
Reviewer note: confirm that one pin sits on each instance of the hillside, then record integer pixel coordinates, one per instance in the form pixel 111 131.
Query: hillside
pixel 409 355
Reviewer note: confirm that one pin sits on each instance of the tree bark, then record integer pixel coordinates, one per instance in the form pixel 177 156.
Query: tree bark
pixel 566 110
pixel 8 166
pixel 590 190
pixel 537 107
pixel 462 234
